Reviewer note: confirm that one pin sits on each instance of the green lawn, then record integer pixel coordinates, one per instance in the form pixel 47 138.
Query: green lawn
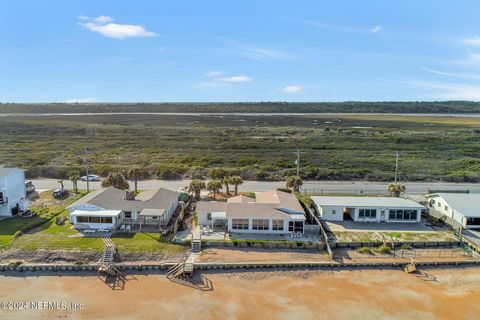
pixel 8 227
pixel 55 237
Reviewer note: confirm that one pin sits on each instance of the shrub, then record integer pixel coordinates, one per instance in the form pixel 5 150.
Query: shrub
pixel 406 247
pixel 364 250
pixel 382 249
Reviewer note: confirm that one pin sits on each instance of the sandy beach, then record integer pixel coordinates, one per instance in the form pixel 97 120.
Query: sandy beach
pixel 323 294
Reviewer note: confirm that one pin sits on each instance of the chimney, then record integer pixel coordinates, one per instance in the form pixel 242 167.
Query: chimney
pixel 129 195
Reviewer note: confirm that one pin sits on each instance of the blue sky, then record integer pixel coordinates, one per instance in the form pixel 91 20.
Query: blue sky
pixel 249 50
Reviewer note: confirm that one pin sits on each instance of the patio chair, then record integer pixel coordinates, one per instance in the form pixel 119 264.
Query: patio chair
pixel 122 227
pixel 128 228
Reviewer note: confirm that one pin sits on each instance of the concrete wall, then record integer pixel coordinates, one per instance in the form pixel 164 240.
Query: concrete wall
pixel 13 187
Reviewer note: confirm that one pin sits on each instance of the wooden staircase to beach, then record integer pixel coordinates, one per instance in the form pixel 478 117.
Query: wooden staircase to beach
pixel 106 265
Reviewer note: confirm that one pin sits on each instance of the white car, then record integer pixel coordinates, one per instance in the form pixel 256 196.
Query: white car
pixel 90 177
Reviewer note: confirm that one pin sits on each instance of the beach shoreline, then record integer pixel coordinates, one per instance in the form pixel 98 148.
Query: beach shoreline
pixel 343 293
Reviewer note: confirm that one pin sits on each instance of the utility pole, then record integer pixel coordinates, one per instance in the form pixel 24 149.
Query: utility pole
pixel 85 161
pixel 396 166
pixel 297 161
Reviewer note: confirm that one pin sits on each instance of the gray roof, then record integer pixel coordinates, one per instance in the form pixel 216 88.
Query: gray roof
pixel 5 171
pixel 467 204
pixel 271 204
pixel 388 202
pixel 114 199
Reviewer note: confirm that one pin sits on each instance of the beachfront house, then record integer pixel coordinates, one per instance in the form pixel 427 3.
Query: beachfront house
pixel 12 191
pixel 271 212
pixel 368 209
pixel 113 208
pixel 457 209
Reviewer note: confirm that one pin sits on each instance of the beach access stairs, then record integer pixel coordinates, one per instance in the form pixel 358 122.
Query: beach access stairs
pixel 106 265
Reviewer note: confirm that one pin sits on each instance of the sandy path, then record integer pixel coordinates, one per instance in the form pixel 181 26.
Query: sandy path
pixel 346 294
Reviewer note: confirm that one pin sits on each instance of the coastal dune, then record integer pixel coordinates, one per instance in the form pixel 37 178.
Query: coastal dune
pixel 322 294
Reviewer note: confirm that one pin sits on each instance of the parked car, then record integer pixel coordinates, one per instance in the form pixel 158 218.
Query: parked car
pixel 29 187
pixel 90 177
pixel 60 193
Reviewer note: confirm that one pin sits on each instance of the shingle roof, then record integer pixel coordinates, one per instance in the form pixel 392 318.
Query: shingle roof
pixel 240 199
pixel 392 202
pixel 112 198
pixel 266 205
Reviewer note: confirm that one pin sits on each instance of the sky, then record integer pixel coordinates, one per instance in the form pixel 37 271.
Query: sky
pixel 239 50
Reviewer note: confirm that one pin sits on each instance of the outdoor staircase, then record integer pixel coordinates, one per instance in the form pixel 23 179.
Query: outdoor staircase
pixel 196 240
pixel 105 264
pixel 196 246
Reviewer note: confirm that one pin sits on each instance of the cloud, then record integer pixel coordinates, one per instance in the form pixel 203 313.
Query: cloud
pixel 234 79
pixel 292 89
pixel 218 79
pixel 475 41
pixel 451 74
pixel 105 26
pixel 81 100
pixel 449 91
pixel 258 53
pixel 333 27
pixel 214 74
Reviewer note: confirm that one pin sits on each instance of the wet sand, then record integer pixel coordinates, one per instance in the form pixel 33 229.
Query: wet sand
pixel 341 294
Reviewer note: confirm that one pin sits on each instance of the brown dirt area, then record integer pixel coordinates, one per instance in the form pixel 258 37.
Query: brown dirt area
pixel 340 294
pixel 260 255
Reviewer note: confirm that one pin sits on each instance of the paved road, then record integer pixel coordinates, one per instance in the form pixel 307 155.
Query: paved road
pixel 318 186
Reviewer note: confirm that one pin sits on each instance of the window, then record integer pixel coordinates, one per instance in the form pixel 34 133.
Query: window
pixel 446 208
pixel 277 225
pixel 209 216
pixel 439 204
pixel 106 219
pixel 240 224
pixel 400 214
pixel 334 211
pixel 295 226
pixel 473 221
pixel 94 219
pixel 127 215
pixel 367 213
pixel 260 224
pixel 82 219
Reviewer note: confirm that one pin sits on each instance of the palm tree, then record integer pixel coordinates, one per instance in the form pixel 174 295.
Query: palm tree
pixel 293 182
pixel 135 174
pixel 226 181
pixel 236 181
pixel 74 176
pixel 395 189
pixel 214 186
pixel 196 186
pixel 116 180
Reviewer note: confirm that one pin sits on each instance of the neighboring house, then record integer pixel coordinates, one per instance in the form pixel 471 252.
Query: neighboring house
pixel 12 191
pixel 459 209
pixel 271 212
pixel 368 209
pixel 110 207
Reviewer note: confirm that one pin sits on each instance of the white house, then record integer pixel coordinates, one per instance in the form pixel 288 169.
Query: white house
pixel 459 209
pixel 110 207
pixel 368 209
pixel 12 191
pixel 271 212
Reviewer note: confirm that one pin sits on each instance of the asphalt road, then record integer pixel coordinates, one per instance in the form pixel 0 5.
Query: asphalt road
pixel 316 186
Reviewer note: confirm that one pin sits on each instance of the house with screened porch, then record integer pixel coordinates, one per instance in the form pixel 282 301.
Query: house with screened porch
pixel 272 212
